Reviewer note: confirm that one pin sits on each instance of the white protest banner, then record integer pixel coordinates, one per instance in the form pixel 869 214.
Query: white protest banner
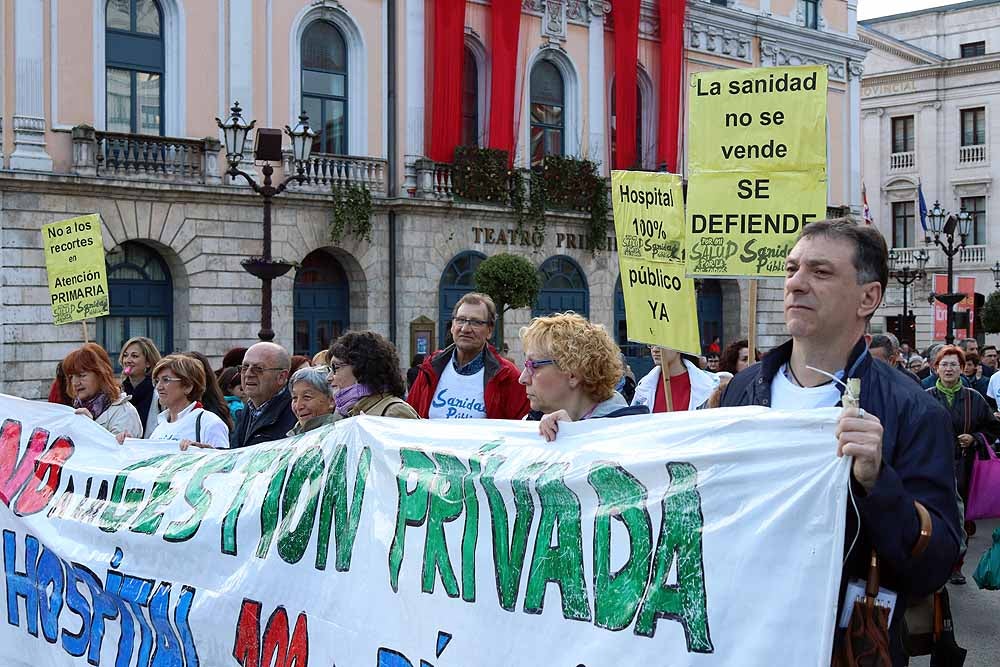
pixel 696 538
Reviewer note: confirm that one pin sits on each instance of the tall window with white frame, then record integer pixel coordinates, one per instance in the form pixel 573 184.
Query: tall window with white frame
pixel 811 10
pixel 470 100
pixel 134 66
pixel 974 126
pixel 976 207
pixel 324 86
pixel 548 107
pixel 902 134
pixel 903 217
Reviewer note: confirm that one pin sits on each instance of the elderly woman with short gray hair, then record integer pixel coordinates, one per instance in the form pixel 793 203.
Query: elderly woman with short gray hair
pixel 312 400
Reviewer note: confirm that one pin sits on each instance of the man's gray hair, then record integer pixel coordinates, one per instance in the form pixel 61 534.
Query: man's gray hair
pixel 885 341
pixel 964 343
pixel 314 377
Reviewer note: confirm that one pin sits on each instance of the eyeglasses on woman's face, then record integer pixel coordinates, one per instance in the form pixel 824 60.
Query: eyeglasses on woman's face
pixel 532 365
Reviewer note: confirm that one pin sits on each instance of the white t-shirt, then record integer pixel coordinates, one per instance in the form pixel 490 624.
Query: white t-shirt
pixel 213 429
pixel 994 387
pixel 785 395
pixel 458 396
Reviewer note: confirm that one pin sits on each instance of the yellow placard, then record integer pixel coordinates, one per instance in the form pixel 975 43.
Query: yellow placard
pixel 757 167
pixel 660 302
pixel 74 260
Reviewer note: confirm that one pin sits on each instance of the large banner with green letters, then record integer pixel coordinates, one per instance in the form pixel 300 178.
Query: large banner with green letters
pixel 699 538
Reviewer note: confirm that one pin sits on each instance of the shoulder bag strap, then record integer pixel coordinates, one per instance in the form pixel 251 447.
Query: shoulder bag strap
pixel 966 396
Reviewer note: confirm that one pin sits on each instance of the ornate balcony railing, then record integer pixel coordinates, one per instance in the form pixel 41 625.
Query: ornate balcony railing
pixel 973 254
pixel 324 171
pixel 970 254
pixel 902 161
pixel 969 155
pixel 145 157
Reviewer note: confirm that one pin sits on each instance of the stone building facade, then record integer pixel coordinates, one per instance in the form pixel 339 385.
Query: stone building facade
pixel 928 122
pixel 77 139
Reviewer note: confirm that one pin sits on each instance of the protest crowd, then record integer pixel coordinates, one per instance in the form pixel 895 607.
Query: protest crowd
pixel 921 422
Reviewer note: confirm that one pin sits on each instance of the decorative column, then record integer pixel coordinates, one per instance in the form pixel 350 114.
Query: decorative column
pixel 597 85
pixel 29 92
pixel 854 72
pixel 415 109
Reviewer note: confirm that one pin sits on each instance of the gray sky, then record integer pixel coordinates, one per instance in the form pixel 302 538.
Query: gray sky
pixel 869 9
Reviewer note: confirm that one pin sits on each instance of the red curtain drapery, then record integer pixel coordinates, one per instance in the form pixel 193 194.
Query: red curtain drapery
pixel 671 62
pixel 503 86
pixel 446 89
pixel 626 18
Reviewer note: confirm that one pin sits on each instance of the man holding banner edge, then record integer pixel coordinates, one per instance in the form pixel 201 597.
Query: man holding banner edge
pixel 901 478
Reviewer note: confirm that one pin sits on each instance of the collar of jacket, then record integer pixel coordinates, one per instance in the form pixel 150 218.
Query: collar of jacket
pixel 857 362
pixel 490 363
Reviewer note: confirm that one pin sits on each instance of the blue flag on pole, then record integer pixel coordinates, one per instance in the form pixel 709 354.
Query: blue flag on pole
pixel 923 207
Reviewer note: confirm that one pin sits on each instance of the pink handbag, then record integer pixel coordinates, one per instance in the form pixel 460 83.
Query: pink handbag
pixel 984 486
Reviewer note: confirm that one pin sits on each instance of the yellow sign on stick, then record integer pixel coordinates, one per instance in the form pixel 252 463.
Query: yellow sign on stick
pixel 660 305
pixel 757 167
pixel 74 259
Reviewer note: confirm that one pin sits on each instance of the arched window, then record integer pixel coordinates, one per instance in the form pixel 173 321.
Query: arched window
pixel 709 310
pixel 636 354
pixel 638 129
pixel 564 287
pixel 322 303
pixel 470 99
pixel 456 282
pixel 548 120
pixel 324 86
pixel 141 299
pixel 134 66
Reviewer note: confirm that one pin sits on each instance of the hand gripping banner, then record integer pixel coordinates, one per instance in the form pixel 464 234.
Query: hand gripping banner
pixel 681 539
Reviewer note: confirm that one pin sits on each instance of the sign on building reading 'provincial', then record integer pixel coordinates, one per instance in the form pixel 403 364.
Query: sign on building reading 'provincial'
pixel 757 170
pixel 660 302
pixel 74 260
pixel 388 542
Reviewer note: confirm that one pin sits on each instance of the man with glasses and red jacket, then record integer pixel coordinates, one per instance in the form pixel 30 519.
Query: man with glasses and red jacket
pixel 469 379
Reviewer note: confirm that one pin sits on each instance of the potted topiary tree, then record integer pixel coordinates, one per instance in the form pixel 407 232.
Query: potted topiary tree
pixel 511 281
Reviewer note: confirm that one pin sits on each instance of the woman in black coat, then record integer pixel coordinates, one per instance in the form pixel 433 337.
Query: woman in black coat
pixel 975 425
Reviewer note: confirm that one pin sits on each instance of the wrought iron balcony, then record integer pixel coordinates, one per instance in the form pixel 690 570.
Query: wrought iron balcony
pixel 145 157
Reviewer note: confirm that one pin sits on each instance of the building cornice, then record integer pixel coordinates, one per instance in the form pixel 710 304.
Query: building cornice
pixel 947 68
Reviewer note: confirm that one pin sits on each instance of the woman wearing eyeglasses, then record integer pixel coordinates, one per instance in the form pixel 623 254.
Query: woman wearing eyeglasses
pixel 365 377
pixel 180 383
pixel 570 371
pixel 95 391
pixel 975 425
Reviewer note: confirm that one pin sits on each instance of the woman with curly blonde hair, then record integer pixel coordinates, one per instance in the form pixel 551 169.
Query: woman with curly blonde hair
pixel 570 371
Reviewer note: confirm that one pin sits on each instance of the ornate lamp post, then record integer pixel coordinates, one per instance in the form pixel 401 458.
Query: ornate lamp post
pixel 996 275
pixel 235 132
pixel 900 271
pixel 944 224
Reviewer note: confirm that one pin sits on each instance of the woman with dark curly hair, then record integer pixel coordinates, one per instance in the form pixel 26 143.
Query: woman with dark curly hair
pixel 365 376
pixel 736 357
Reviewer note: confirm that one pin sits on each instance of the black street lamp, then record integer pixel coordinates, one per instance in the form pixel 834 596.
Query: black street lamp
pixel 236 131
pixel 996 275
pixel 900 271
pixel 942 223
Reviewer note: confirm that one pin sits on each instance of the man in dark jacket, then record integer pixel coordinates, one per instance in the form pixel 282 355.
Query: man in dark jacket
pixel 885 347
pixel 268 414
pixel 900 440
pixel 469 379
